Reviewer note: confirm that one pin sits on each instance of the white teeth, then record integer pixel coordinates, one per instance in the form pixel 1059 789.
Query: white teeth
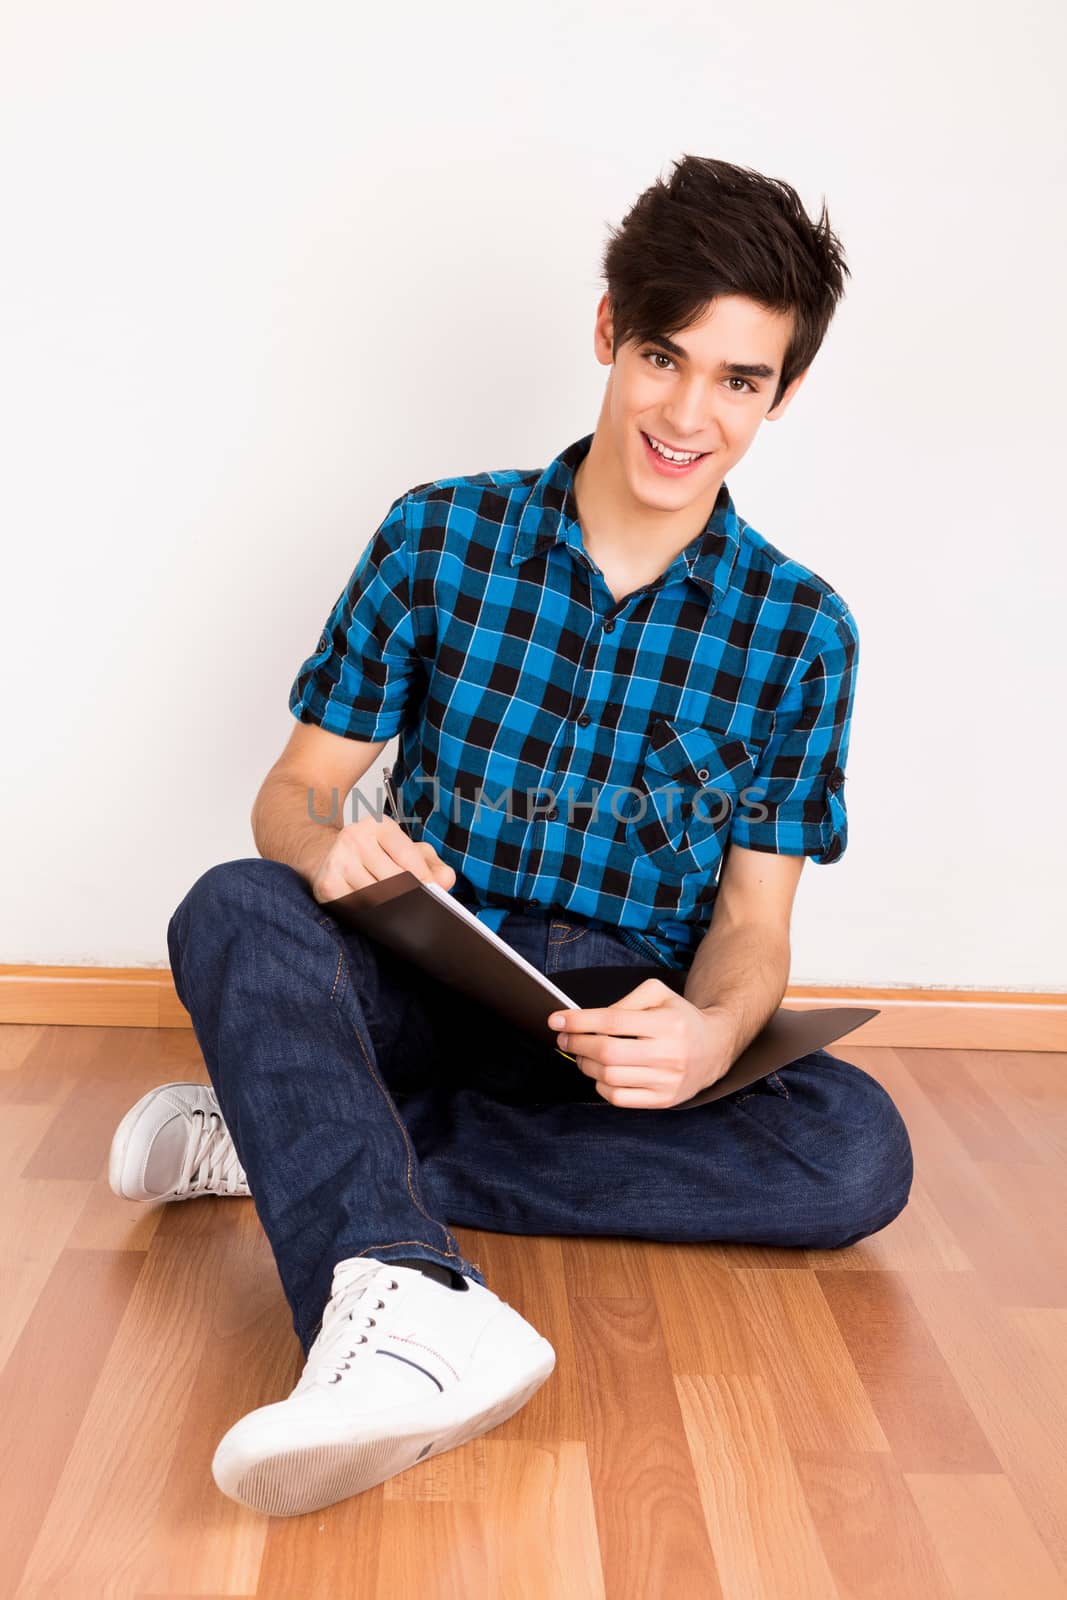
pixel 671 455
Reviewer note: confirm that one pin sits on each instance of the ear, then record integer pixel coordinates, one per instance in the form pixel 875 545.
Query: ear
pixel 603 331
pixel 780 409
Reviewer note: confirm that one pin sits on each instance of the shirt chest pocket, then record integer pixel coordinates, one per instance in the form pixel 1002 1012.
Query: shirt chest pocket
pixel 688 783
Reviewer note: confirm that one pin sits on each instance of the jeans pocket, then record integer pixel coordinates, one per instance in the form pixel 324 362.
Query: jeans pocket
pixel 771 1084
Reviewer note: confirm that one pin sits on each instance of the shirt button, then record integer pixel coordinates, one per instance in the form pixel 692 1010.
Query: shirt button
pixel 609 625
pixel 702 774
pixel 552 816
pixel 532 905
pixel 584 720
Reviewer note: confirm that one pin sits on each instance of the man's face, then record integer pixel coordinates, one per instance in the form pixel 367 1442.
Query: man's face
pixel 688 398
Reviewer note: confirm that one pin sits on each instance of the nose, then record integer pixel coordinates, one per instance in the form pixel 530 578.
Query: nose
pixel 691 418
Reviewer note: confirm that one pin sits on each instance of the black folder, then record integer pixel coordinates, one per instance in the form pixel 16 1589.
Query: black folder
pixel 431 928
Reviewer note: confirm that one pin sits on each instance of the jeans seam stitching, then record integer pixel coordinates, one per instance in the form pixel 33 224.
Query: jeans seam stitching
pixel 407 1143
pixel 396 1243
pixel 181 957
pixel 454 1251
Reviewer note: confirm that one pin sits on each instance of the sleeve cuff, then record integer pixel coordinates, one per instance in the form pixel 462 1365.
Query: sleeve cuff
pixel 349 725
pixel 786 833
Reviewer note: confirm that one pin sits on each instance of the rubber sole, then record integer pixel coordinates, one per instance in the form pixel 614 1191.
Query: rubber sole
pixel 292 1481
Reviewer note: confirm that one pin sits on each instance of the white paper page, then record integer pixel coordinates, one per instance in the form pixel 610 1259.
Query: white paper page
pixel 460 910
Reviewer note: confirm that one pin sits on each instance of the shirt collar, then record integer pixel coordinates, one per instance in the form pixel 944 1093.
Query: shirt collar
pixel 550 516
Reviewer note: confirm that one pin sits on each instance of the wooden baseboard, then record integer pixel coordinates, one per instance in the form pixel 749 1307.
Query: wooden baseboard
pixel 946 1019
pixel 95 997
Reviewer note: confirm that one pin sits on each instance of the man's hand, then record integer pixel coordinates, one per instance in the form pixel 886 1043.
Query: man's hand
pixel 671 1049
pixel 366 851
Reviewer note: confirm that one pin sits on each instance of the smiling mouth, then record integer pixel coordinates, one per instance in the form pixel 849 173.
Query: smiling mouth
pixel 663 464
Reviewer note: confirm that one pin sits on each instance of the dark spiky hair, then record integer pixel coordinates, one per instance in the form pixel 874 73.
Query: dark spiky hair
pixel 715 229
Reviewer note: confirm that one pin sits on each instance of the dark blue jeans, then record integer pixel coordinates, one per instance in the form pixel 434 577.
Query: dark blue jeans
pixel 372 1107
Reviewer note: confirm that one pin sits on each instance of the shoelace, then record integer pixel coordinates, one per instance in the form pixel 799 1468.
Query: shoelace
pixel 211 1158
pixel 338 1343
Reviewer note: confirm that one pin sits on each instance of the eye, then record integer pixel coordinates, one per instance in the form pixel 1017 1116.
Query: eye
pixel 660 355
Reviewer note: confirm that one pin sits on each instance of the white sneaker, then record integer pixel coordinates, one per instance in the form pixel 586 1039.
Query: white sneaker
pixel 174 1145
pixel 455 1363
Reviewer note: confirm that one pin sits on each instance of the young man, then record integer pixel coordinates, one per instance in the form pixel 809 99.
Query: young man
pixel 663 699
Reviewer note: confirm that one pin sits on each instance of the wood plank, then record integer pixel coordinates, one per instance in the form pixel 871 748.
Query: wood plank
pixel 819 1399
pixel 1028 1088
pixel 758 1522
pixel 51 1418
pixel 929 1425
pixel 987 1544
pixel 1016 1393
pixel 1016 1262
pixel 644 1480
pixel 105 1531
pixel 877 1545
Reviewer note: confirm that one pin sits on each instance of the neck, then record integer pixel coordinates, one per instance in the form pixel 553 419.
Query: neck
pixel 620 530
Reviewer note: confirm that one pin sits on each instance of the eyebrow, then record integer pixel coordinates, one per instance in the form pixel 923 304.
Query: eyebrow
pixel 736 369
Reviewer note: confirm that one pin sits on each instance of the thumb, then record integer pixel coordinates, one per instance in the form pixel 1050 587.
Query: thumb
pixel 650 993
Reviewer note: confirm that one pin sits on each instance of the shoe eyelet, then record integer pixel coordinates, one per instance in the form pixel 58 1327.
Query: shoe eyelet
pixel 362 1339
pixel 393 1284
pixel 336 1378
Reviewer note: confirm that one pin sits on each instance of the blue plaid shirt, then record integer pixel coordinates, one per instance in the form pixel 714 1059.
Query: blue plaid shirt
pixel 577 755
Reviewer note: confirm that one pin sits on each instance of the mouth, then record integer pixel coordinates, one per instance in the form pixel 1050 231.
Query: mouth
pixel 670 469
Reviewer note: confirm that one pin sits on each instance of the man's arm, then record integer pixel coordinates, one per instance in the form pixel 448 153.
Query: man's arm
pixel 741 966
pixel 325 765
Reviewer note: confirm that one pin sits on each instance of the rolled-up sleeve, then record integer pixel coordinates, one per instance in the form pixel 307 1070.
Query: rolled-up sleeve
pixel 363 678
pixel 796 804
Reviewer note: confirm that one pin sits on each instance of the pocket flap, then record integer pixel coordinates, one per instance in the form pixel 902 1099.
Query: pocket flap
pixel 698 756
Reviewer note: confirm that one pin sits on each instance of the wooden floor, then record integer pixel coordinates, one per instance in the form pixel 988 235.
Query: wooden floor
pixel 888 1420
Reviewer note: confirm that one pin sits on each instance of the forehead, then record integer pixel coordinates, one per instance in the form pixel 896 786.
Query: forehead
pixel 733 329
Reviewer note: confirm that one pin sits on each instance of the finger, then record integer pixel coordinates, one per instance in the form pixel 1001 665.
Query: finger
pixel 342 872
pixel 608 1021
pixel 391 851
pixel 652 993
pixel 633 1099
pixel 343 877
pixel 648 997
pixel 632 1078
pixel 617 1052
pixel 635 1075
pixel 581 1021
pixel 440 869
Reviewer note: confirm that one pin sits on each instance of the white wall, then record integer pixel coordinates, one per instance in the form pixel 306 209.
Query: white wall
pixel 265 267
